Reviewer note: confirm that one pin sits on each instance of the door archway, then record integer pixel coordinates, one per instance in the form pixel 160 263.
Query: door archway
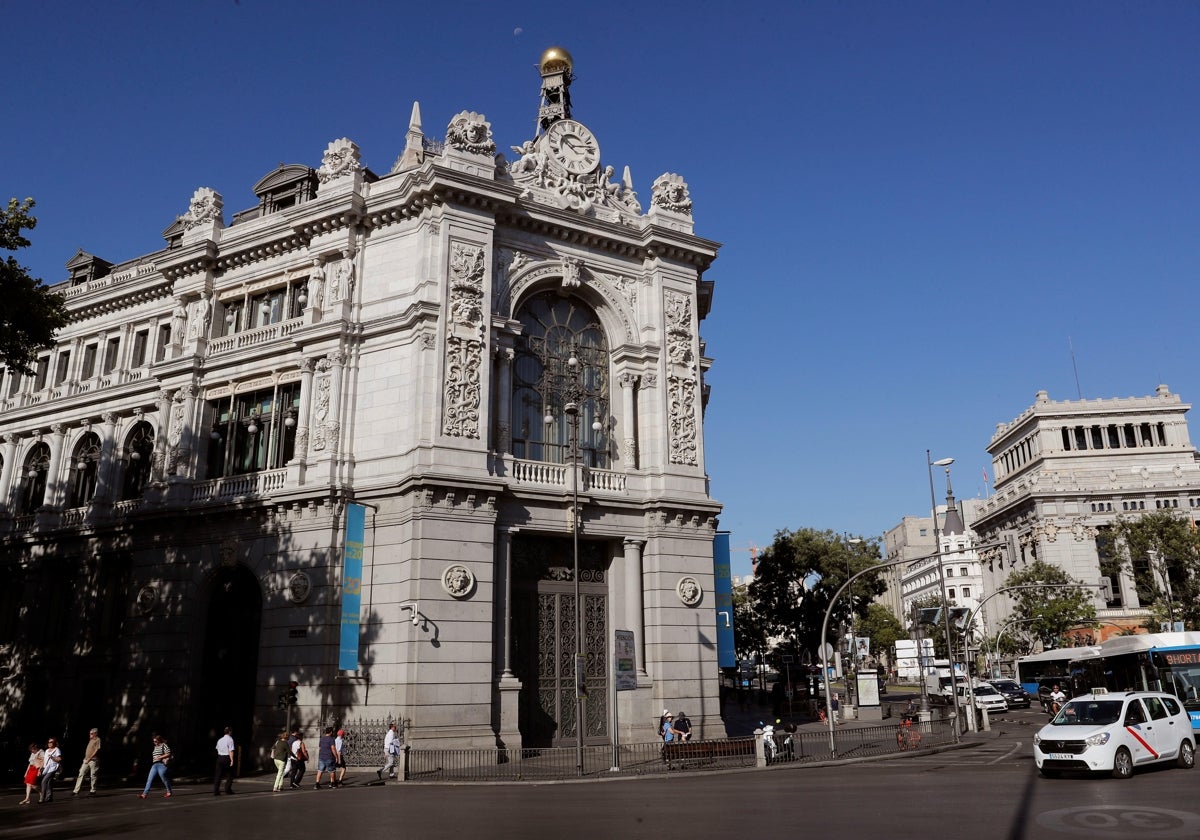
pixel 229 664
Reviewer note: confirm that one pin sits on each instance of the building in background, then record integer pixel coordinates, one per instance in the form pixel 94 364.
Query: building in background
pixel 1065 470
pixel 499 359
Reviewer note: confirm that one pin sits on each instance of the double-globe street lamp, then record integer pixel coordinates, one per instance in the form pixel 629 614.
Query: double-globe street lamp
pixel 570 389
pixel 937 542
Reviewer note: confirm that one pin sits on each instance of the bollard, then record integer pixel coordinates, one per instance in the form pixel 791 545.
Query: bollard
pixel 987 726
pixel 760 750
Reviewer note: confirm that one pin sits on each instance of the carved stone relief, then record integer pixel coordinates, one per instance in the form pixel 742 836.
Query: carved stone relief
pixel 321 403
pixel 472 133
pixel 458 581
pixel 341 158
pixel 689 591
pixel 206 206
pixel 681 380
pixel 464 342
pixel 670 192
pixel 299 587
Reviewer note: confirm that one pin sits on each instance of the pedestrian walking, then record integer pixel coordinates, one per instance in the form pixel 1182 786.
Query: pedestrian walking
pixel 391 749
pixel 226 752
pixel 683 726
pixel 36 759
pixel 339 744
pixel 160 759
pixel 325 757
pixel 51 762
pixel 91 763
pixel 299 759
pixel 280 753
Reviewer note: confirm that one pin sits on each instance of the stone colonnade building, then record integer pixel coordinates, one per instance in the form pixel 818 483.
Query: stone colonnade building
pixel 1066 469
pixel 501 360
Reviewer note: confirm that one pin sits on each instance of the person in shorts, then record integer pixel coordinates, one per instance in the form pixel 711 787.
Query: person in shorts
pixel 339 757
pixel 326 761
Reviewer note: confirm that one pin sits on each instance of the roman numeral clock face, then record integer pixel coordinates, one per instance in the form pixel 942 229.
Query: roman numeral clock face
pixel 573 147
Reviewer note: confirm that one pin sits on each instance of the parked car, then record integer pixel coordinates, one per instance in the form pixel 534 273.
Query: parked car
pixel 1046 686
pixel 1115 733
pixel 1017 697
pixel 986 697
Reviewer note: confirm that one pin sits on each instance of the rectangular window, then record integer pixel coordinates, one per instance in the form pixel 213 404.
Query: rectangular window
pixel 64 366
pixel 924 532
pixel 110 355
pixel 950 593
pixel 966 592
pixel 258 432
pixel 164 341
pixel 89 362
pixel 140 339
pixel 43 369
pixel 963 571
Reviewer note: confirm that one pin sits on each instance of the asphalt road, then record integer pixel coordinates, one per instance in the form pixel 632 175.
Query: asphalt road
pixel 988 790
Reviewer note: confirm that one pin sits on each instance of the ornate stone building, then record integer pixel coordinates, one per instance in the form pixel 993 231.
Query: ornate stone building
pixel 499 359
pixel 1065 469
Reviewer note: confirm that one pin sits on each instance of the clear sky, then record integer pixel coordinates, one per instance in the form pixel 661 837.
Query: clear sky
pixel 924 206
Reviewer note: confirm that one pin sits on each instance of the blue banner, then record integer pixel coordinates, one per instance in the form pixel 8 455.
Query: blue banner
pixel 356 518
pixel 723 593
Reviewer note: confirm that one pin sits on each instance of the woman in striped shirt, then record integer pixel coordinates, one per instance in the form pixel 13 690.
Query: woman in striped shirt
pixel 159 760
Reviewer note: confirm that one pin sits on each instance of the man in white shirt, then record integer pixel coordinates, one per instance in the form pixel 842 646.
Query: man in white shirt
pixel 225 756
pixel 391 749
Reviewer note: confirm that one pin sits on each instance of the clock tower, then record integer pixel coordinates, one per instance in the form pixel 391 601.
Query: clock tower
pixel 555 67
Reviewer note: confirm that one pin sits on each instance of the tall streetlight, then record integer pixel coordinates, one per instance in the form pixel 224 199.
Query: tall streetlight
pixel 852 648
pixel 572 389
pixel 937 540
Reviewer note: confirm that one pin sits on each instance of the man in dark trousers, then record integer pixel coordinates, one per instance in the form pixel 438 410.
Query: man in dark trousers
pixel 225 756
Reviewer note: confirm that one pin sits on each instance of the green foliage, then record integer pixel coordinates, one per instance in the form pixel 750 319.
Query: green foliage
pixel 882 627
pixel 1155 544
pixel 1048 609
pixel 937 631
pixel 799 573
pixel 30 314
pixel 750 631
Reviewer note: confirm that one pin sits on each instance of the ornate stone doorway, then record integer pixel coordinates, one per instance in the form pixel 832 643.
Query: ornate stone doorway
pixel 229 668
pixel 544 640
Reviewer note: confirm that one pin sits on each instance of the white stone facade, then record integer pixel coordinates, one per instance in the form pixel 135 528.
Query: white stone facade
pixel 179 470
pixel 1066 469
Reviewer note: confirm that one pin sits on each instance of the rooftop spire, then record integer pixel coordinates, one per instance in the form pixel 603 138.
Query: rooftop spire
pixel 954 522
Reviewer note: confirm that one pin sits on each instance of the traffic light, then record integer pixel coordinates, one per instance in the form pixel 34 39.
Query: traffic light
pixel 293 693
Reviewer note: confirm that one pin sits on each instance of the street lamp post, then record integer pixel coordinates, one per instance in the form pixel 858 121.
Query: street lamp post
pixel 572 390
pixel 829 612
pixel 937 539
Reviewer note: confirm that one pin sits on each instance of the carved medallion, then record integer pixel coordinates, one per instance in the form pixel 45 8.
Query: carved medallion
pixel 689 591
pixel 458 581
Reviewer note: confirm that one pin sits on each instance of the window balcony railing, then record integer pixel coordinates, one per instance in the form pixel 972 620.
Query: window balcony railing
pixel 251 338
pixel 239 486
pixel 544 474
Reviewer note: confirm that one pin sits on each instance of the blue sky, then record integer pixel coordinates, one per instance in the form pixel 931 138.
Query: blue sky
pixel 924 206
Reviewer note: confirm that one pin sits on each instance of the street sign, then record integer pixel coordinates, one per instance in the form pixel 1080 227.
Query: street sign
pixel 624 660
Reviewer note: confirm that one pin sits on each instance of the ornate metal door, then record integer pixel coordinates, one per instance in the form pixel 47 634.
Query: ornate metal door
pixel 545 655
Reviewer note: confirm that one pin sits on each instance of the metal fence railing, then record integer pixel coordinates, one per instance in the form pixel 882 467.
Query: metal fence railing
pixel 631 760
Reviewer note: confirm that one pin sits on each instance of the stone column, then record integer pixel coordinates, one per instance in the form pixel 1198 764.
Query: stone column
pixel 106 469
pixel 504 359
pixel 53 497
pixel 306 378
pixel 338 359
pixel 629 383
pixel 509 687
pixel 634 598
pixel 188 465
pixel 6 474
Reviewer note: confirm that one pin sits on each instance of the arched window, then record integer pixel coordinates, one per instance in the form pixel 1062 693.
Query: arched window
pixel 33 479
pixel 560 365
pixel 137 457
pixel 85 466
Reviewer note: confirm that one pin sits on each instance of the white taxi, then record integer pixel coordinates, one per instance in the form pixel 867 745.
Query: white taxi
pixel 1115 732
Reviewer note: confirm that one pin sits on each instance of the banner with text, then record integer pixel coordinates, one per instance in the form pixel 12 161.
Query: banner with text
pixel 723 595
pixel 352 554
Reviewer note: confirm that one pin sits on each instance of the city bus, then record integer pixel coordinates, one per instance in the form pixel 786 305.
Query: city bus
pixel 1049 663
pixel 1146 662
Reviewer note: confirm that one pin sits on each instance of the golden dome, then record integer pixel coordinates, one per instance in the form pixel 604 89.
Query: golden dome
pixel 556 58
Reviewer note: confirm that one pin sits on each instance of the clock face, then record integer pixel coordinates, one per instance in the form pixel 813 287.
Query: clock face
pixel 573 147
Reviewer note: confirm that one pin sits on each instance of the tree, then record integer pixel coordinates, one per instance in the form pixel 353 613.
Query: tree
pixel 1162 552
pixel 882 627
pixel 935 628
pixel 799 573
pixel 1050 607
pixel 30 314
pixel 749 630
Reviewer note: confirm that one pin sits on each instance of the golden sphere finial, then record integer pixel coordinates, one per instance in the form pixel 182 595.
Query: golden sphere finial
pixel 556 58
